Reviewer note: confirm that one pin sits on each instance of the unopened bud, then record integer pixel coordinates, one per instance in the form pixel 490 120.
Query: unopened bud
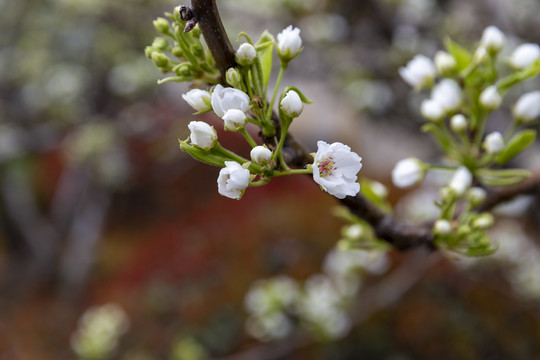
pixel 160 60
pixel 233 77
pixel 161 25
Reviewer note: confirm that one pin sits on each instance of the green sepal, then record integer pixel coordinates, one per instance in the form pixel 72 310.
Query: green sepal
pixel 519 76
pixel 206 156
pixel 304 99
pixel 462 56
pixel 502 177
pixel 516 145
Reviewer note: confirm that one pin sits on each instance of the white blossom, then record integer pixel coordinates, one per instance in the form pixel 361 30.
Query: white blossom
pixel 261 154
pixel 431 110
pixel 476 195
pixel 407 172
pixel 289 42
pixel 444 62
pixel 448 94
pixel 291 104
pixel 461 181
pixel 524 55
pixel 493 39
pixel 442 227
pixel 335 168
pixel 234 119
pixel 224 99
pixel 490 98
pixel 494 143
pixel 198 99
pixel 419 72
pixel 245 54
pixel 458 123
pixel 202 134
pixel 233 179
pixel 527 108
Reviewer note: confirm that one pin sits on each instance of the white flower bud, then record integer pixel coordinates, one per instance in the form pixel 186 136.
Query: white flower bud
pixel 444 62
pixel 461 181
pixel 490 98
pixel 292 104
pixel 234 119
pixel 493 39
pixel 442 227
pixel 458 123
pixel 198 99
pixel 483 221
pixel 432 110
pixel 448 94
pixel 245 54
pixel 407 172
pixel 233 77
pixel 527 108
pixel 261 155
pixel 419 72
pixel 202 134
pixel 289 43
pixel 233 179
pixel 224 99
pixel 480 55
pixel 494 143
pixel 476 195
pixel 524 55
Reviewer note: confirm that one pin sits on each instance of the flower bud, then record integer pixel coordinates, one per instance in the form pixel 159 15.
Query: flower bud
pixel 289 43
pixel 442 227
pixel 261 155
pixel 198 99
pixel 197 50
pixel 161 25
pixel 444 63
pixel 419 72
pixel 524 55
pixel 234 119
pixel 202 134
pixel 233 77
pixel 490 98
pixel 476 195
pixel 494 143
pixel 527 108
pixel 448 94
pixel 245 54
pixel 407 172
pixel 461 181
pixel 493 39
pixel 291 104
pixel 160 60
pixel 177 51
pixel 483 221
pixel 148 51
pixel 160 43
pixel 432 110
pixel 184 69
pixel 458 123
pixel 480 55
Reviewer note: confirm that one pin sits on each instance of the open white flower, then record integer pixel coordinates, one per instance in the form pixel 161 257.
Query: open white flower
pixel 461 181
pixel 335 168
pixel 527 107
pixel 407 172
pixel 198 99
pixel 289 43
pixel 524 55
pixel 233 180
pixel 292 104
pixel 224 99
pixel 234 119
pixel 419 72
pixel 202 134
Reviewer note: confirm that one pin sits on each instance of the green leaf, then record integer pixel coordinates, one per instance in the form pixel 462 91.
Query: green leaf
pixel 207 157
pixel 519 142
pixel 519 76
pixel 265 57
pixel 502 177
pixel 463 56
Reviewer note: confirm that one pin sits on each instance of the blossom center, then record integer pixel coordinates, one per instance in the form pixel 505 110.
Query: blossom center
pixel 326 166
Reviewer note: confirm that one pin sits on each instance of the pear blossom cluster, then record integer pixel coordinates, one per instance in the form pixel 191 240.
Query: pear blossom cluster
pixel 464 89
pixel 335 166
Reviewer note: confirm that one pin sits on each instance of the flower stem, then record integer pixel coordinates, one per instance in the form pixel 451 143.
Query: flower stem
pixel 293 172
pixel 248 137
pixel 278 81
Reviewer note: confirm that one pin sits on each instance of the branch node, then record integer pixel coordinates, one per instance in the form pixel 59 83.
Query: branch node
pixel 188 14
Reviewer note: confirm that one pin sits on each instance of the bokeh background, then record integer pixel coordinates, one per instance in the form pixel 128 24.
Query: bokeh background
pixel 99 206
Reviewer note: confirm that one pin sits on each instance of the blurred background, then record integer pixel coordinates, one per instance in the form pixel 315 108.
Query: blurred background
pixel 102 216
